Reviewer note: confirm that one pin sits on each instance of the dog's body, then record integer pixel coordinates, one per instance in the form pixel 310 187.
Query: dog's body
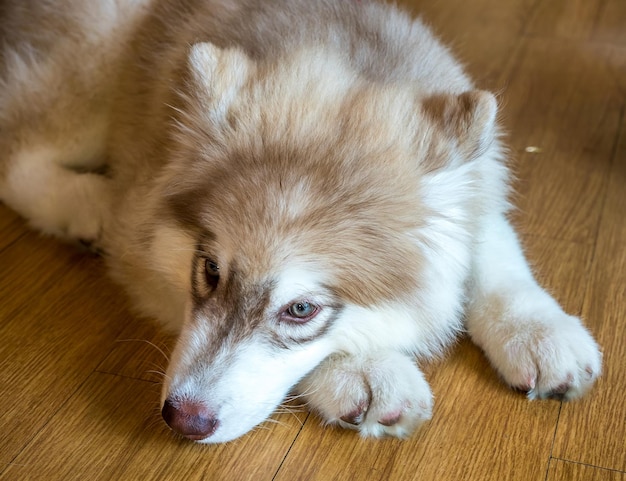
pixel 312 192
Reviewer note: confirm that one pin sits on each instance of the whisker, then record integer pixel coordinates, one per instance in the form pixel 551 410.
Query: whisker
pixel 294 413
pixel 161 374
pixel 272 421
pixel 298 396
pixel 150 343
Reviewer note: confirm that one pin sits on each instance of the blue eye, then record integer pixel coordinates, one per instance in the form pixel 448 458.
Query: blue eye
pixel 302 310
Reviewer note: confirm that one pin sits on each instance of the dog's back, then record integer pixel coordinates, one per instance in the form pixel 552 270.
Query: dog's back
pixel 120 60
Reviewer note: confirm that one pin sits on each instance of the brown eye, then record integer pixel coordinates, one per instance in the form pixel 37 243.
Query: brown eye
pixel 212 273
pixel 301 311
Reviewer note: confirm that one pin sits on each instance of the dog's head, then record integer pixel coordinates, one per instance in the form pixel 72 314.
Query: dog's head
pixel 300 191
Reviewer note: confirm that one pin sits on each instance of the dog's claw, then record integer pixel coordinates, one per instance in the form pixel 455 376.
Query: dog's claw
pixel 559 392
pixel 91 247
pixel 353 418
pixel 356 416
pixel 391 419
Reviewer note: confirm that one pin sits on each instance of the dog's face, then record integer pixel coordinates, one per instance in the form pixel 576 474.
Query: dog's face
pixel 302 201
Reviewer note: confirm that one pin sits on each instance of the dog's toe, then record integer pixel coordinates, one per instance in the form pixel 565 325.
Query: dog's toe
pixel 549 361
pixel 384 395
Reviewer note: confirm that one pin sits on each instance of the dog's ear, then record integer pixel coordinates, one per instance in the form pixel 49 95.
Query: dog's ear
pixel 216 75
pixel 468 119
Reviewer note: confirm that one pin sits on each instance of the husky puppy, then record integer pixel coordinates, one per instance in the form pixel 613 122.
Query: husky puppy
pixel 312 192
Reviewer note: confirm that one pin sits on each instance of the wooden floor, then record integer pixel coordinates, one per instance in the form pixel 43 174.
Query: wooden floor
pixel 77 371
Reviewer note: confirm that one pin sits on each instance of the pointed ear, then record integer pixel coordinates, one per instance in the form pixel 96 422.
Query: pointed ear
pixel 468 118
pixel 216 75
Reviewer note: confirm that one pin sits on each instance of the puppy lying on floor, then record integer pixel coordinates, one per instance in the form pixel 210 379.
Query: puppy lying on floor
pixel 311 191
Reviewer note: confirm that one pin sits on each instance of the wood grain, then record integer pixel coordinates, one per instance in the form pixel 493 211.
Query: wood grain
pixel 141 351
pixel 567 471
pixel 593 430
pixel 111 430
pixel 587 20
pixel 79 374
pixel 52 315
pixel 11 227
pixel 561 267
pixel 561 100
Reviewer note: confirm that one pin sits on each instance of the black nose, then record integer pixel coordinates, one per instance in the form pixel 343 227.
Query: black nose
pixel 190 419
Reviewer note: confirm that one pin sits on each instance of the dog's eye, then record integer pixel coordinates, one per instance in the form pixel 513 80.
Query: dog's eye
pixel 302 311
pixel 212 273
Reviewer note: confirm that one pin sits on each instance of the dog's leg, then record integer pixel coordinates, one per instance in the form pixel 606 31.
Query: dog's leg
pixel 383 394
pixel 533 344
pixel 55 199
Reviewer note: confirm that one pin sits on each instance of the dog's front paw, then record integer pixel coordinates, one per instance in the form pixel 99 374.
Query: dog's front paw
pixel 376 395
pixel 555 358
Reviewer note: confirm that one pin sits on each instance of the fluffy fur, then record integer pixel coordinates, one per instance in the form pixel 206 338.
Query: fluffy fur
pixel 312 193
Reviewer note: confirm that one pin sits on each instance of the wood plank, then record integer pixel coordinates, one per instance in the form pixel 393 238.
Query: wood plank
pixel 111 430
pixel 593 430
pixel 562 268
pixel 599 21
pixel 565 19
pixel 141 351
pixel 29 268
pixel 54 328
pixel 565 471
pixel 11 226
pixel 563 102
